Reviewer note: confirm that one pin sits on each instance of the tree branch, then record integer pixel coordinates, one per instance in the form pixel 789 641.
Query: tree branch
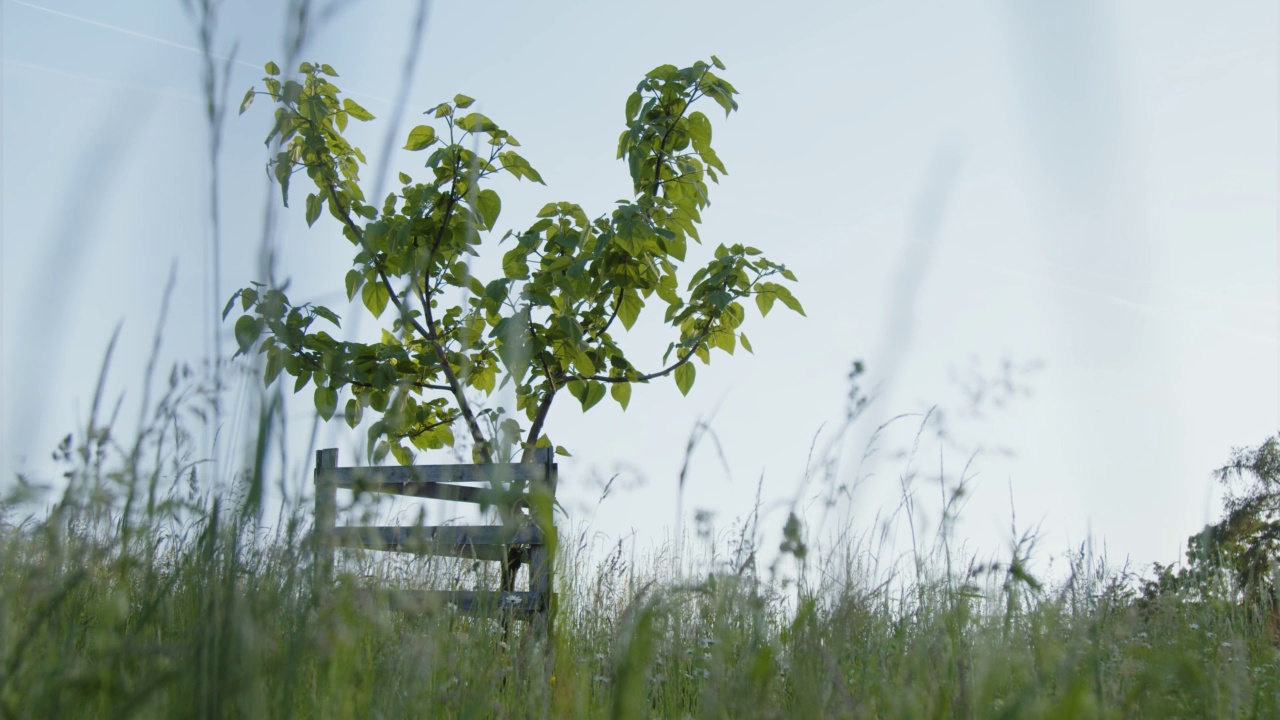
pixel 429 332
pixel 616 301
pixel 662 144
pixel 693 349
pixel 538 421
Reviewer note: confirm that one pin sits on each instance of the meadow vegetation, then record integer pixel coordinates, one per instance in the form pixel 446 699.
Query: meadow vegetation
pixel 146 582
pixel 147 589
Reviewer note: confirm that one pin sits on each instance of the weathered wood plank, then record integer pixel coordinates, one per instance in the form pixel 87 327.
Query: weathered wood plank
pixel 371 477
pixel 424 539
pixel 325 517
pixel 468 601
pixel 434 491
pixel 446 482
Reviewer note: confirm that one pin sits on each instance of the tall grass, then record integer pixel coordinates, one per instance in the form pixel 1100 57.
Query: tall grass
pixel 147 589
pixel 150 586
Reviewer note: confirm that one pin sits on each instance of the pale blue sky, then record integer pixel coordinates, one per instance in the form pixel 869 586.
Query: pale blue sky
pixel 1093 188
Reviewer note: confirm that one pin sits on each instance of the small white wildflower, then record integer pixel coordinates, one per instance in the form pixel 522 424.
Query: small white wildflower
pixel 1225 644
pixel 600 657
pixel 1142 635
pixel 706 642
pixel 1210 634
pixel 1194 626
pixel 706 656
pixel 601 679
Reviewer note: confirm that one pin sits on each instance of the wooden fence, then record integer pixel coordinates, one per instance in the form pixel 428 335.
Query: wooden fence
pixel 518 541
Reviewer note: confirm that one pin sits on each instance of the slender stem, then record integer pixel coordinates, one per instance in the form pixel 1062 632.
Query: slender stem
pixel 428 332
pixel 617 300
pixel 538 421
pixel 662 145
pixel 650 376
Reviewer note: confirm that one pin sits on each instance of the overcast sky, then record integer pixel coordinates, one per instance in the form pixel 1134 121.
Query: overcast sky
pixel 1086 196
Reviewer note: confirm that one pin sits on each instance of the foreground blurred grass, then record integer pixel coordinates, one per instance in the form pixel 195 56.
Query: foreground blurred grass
pixel 147 591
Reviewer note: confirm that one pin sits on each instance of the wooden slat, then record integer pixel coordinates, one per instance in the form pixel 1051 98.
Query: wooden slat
pixel 420 539
pixel 502 474
pixel 495 553
pixel 468 601
pixel 446 482
pixel 436 491
pixel 325 517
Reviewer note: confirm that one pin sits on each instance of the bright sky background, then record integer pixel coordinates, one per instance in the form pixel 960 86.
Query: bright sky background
pixel 1090 190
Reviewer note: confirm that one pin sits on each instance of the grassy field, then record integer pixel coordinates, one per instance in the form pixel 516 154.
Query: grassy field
pixel 143 584
pixel 143 592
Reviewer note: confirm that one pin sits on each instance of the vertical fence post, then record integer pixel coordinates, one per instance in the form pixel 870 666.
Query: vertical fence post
pixel 326 518
pixel 541 557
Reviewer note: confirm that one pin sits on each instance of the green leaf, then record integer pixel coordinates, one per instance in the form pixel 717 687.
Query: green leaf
pixel 571 328
pixel 663 72
pixel 716 61
pixel 582 361
pixel 327 314
pixel 742 337
pixel 633 107
pixel 248 100
pixel 352 108
pixel 328 70
pixel 622 393
pixel 723 98
pixel 594 394
pixel 489 205
pixel 629 309
pixel 247 329
pixel 272 68
pixel 274 365
pixel 326 400
pixel 475 122
pixel 405 179
pixel 513 163
pixel 375 297
pixel 685 375
pixel 354 280
pixel 726 340
pixel 699 131
pixel 352 412
pixel 764 301
pixel 514 265
pixel 462 101
pixel 315 203
pixel 402 454
pixel 420 138
pixel 577 389
pixel 283 169
pixel 788 299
